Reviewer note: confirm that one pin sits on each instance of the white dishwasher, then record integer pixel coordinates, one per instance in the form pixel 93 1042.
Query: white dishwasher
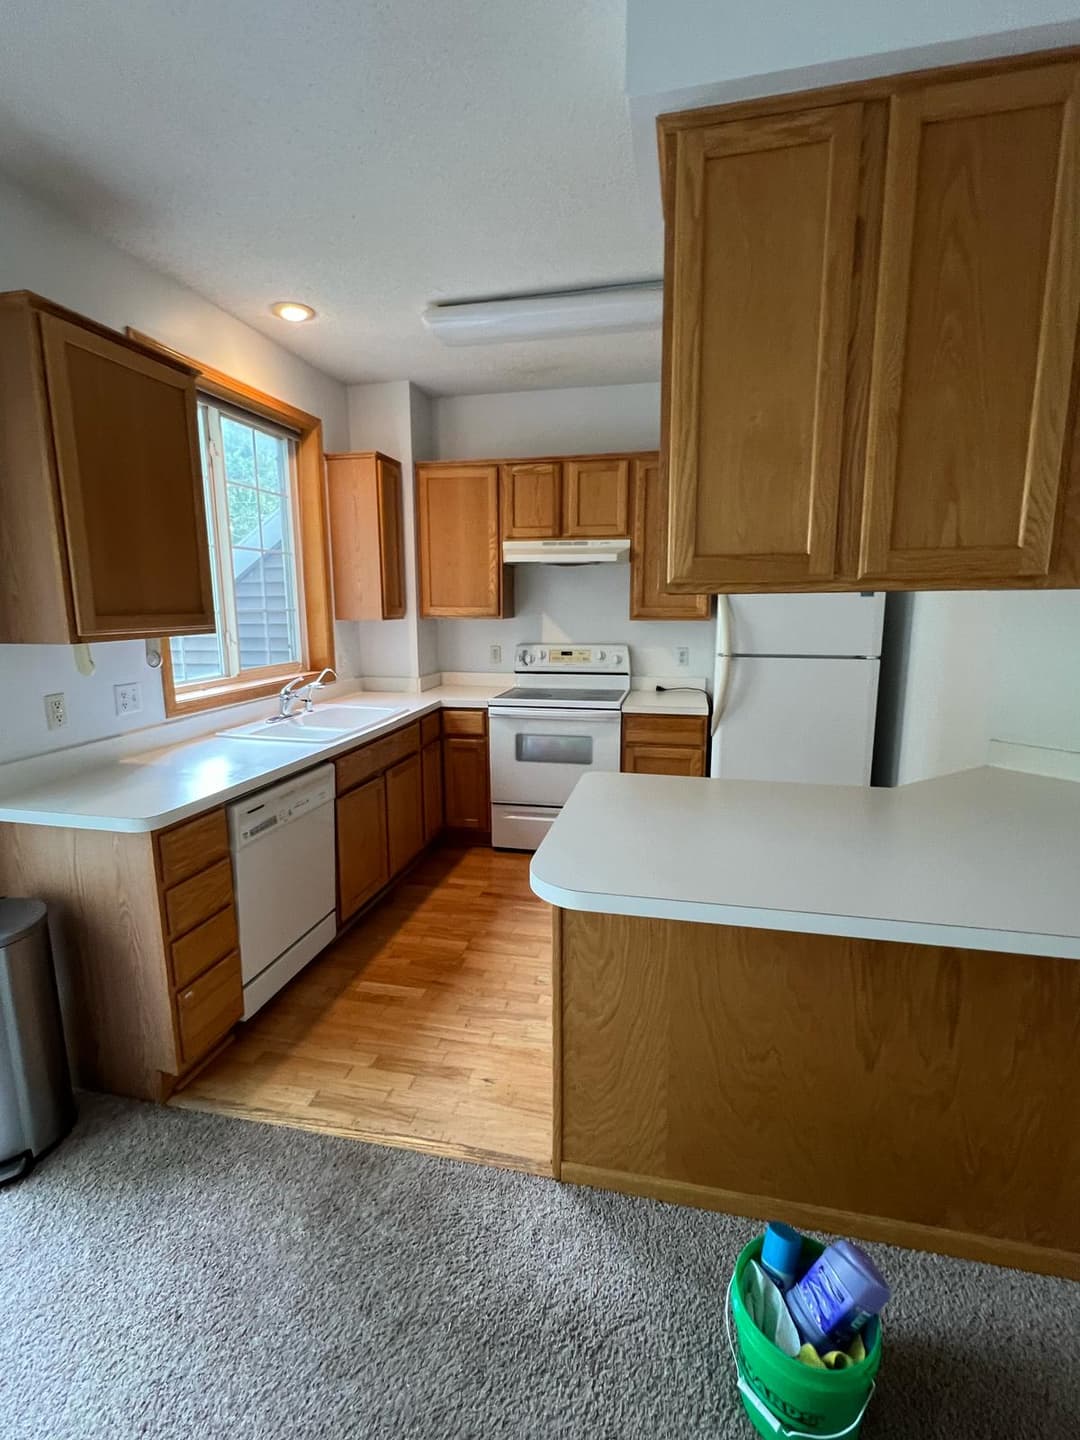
pixel 284 874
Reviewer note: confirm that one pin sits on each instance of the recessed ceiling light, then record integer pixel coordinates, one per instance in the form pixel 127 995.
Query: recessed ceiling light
pixel 292 310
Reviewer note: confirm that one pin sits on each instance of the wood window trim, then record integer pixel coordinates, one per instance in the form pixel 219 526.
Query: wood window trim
pixel 314 538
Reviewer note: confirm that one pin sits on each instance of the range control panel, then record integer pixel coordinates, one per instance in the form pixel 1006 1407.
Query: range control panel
pixel 609 659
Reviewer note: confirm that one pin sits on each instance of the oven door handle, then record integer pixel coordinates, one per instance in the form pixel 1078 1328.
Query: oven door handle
pixel 583 717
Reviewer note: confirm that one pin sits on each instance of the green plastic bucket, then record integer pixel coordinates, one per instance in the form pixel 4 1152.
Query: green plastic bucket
pixel 782 1396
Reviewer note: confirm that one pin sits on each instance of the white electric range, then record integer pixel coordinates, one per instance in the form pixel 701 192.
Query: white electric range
pixel 561 719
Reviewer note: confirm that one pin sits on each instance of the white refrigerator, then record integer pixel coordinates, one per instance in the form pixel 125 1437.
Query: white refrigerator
pixel 795 687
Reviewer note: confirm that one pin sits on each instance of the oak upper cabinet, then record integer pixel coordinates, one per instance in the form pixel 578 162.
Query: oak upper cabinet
pixel 362 850
pixel 596 498
pixel 531 498
pixel 102 522
pixel 366 536
pixel 975 338
pixel 871 312
pixel 757 288
pixel 460 546
pixel 649 599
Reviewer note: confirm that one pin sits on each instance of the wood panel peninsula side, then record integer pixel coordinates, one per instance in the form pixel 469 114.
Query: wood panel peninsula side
pixel 856 1010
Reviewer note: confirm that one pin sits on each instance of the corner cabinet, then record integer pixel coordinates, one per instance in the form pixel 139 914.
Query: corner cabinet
pixel 871 303
pixel 102 522
pixel 366 536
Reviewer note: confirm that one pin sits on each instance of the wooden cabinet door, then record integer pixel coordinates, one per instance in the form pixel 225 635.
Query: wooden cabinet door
pixel 649 599
pixel 976 329
pixel 431 767
pixel 531 500
pixel 757 290
pixel 362 854
pixel 596 500
pixel 466 783
pixel 404 813
pixel 366 536
pixel 461 570
pixel 127 454
pixel 391 538
pixel 638 759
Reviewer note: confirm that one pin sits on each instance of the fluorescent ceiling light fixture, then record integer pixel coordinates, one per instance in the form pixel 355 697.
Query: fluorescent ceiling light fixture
pixel 293 311
pixel 607 311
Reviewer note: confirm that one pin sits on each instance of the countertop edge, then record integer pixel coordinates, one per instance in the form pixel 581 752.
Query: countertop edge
pixel 857 927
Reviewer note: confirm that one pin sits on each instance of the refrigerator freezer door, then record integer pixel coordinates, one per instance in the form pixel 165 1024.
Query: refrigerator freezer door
pixel 802 719
pixel 807 624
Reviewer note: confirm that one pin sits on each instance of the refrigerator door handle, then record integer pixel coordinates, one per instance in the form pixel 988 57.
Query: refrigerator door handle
pixel 722 672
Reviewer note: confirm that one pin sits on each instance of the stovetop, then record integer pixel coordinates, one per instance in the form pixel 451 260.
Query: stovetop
pixel 550 695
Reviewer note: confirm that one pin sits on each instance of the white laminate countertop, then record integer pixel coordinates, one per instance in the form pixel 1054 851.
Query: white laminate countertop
pixel 149 789
pixel 666 702
pixel 984 859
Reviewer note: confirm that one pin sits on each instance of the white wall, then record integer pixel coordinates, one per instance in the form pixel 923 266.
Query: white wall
pixel 591 603
pixel 394 417
pixel 1036 659
pixel 44 251
pixel 967 672
pixel 546 422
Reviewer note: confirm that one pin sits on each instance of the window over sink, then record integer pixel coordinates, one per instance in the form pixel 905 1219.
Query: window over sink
pixel 249 475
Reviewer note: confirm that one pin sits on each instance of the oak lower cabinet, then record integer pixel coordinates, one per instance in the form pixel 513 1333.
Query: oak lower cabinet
pixel 466 777
pixel 871 300
pixel 362 849
pixel 459 542
pixel 404 813
pixel 664 744
pixel 431 768
pixel 145 943
pixel 103 530
pixel 367 538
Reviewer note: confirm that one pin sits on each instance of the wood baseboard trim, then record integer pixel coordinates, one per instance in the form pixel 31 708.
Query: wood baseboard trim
pixel 1015 1254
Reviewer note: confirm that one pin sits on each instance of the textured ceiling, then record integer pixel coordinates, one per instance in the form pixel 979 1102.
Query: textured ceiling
pixel 366 156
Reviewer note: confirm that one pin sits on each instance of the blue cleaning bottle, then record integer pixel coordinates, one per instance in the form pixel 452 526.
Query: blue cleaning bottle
pixel 780 1251
pixel 840 1292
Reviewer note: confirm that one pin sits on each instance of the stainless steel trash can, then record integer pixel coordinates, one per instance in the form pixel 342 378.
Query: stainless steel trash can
pixel 36 1104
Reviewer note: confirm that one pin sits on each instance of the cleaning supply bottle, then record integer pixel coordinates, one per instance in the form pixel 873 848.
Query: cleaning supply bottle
pixel 840 1292
pixel 780 1251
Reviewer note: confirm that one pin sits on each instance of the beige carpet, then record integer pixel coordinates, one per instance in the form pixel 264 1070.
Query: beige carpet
pixel 170 1274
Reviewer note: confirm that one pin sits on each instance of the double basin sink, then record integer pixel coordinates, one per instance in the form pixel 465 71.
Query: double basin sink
pixel 324 725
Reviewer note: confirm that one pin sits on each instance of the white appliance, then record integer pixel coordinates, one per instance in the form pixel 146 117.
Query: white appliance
pixel 282 842
pixel 566 552
pixel 561 719
pixel 795 687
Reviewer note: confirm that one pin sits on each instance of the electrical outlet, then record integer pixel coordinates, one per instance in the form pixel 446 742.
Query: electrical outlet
pixel 495 654
pixel 127 698
pixel 55 711
pixel 682 655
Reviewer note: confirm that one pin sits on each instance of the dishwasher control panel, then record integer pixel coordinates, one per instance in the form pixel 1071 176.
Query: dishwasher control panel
pixel 258 815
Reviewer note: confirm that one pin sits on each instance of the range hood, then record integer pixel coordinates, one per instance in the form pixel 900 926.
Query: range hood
pixel 566 552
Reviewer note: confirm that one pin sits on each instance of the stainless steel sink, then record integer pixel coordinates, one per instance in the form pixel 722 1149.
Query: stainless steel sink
pixel 321 726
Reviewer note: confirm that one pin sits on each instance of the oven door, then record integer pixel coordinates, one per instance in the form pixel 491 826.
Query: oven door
pixel 538 756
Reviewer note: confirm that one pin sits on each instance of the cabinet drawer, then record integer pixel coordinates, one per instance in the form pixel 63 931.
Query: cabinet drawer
pixel 368 760
pixel 209 1009
pixel 641 759
pixel 192 847
pixel 664 729
pixel 197 899
pixel 200 947
pixel 430 728
pixel 464 722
